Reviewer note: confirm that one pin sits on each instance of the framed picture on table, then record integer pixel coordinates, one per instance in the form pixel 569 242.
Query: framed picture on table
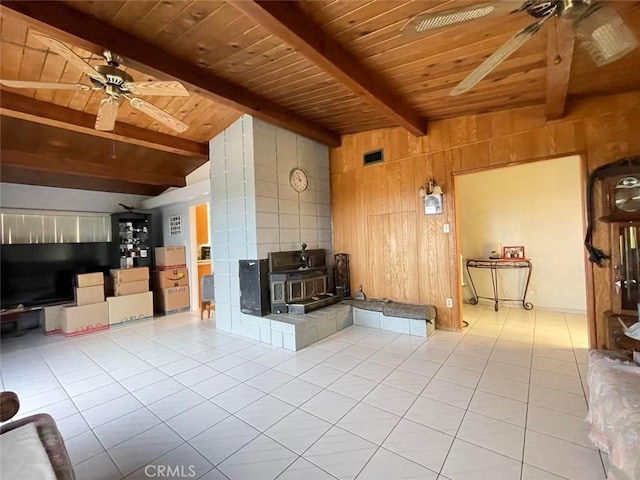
pixel 513 252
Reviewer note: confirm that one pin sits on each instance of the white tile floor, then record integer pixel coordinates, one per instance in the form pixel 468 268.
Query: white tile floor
pixel 503 400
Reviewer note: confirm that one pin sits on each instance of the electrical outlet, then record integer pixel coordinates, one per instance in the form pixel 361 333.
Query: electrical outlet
pixel 445 228
pixel 449 302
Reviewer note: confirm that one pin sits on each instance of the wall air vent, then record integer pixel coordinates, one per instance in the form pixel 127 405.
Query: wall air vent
pixel 374 156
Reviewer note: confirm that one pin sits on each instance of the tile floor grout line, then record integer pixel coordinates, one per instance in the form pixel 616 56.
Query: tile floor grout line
pixel 191 335
pixel 455 436
pixel 526 412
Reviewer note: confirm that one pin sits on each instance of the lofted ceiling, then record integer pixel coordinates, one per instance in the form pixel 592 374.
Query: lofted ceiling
pixel 320 68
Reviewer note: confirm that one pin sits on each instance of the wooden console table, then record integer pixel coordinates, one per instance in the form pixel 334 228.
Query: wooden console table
pixel 495 264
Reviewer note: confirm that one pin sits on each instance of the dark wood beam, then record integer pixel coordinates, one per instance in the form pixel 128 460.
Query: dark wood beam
pixel 560 43
pixel 32 161
pixel 68 25
pixel 48 179
pixel 286 21
pixel 25 108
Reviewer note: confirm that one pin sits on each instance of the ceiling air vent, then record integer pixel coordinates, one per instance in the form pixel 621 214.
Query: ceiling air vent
pixel 374 156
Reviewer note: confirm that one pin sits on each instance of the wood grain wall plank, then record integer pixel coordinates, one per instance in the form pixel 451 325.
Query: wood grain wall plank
pixel 602 129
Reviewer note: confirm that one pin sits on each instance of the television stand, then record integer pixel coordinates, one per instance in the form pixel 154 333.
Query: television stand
pixel 13 315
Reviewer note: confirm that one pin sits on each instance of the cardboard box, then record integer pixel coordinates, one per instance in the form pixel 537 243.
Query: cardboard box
pixel 124 275
pixel 175 277
pixel 171 257
pixel 130 308
pixel 89 295
pixel 130 288
pixel 52 320
pixel 172 300
pixel 89 279
pixel 83 319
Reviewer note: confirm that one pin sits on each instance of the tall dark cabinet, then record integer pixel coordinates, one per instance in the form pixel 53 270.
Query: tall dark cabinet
pixel 131 234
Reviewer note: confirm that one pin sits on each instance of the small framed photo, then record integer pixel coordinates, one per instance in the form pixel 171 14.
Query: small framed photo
pixel 513 252
pixel 432 204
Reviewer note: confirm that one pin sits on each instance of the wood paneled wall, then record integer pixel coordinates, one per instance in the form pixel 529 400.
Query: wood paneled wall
pixel 399 253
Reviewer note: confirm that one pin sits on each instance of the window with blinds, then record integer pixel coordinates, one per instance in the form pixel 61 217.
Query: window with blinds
pixel 20 227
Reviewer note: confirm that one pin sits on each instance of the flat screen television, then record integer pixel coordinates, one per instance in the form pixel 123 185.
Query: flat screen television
pixel 38 274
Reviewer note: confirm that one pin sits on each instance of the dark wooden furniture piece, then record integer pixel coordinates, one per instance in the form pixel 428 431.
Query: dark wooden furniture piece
pixel 132 240
pixel 621 210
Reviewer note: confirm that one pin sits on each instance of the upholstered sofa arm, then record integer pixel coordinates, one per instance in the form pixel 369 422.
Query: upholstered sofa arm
pixel 9 405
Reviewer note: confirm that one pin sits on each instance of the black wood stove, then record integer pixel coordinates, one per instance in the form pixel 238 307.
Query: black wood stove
pixel 299 281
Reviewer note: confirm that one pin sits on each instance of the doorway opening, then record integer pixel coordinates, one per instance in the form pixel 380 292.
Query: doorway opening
pixel 537 207
pixel 200 249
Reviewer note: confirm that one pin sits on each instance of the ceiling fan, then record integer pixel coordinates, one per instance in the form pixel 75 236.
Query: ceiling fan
pixel 597 27
pixel 116 84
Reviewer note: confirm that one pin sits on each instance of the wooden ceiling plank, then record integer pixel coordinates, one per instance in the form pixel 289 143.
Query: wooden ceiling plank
pixel 560 44
pixel 49 163
pixel 67 24
pixel 289 23
pixel 18 106
pixel 13 36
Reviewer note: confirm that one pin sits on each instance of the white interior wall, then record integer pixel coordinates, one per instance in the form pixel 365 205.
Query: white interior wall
pixel 537 205
pixel 13 195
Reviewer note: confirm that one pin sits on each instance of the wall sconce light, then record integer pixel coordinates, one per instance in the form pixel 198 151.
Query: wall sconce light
pixel 431 194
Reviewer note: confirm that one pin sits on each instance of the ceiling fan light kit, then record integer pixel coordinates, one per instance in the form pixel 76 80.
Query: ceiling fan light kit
pixel 598 27
pixel 604 34
pixel 116 84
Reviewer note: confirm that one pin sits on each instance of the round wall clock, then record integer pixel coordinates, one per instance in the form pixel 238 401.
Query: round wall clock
pixel 298 180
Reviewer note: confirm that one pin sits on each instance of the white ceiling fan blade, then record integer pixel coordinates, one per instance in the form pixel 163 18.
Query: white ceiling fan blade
pixel 604 34
pixel 106 119
pixel 495 59
pixel 70 56
pixel 173 89
pixel 160 115
pixel 431 21
pixel 55 85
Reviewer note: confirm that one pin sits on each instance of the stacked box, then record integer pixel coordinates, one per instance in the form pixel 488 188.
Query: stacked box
pixel 130 281
pixel 130 308
pixel 172 300
pixel 83 319
pixel 53 316
pixel 168 258
pixel 170 280
pixel 131 300
pixel 175 277
pixel 89 314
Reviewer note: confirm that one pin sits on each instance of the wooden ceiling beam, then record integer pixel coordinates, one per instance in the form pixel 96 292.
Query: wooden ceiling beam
pixel 76 28
pixel 287 21
pixel 46 163
pixel 47 179
pixel 26 108
pixel 560 43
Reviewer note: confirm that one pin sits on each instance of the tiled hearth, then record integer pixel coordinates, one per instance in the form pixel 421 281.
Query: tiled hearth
pixel 503 400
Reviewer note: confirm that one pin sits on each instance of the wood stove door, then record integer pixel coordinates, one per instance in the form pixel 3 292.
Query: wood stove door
pixel 309 285
pixel 277 292
pixel 296 290
pixel 320 287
